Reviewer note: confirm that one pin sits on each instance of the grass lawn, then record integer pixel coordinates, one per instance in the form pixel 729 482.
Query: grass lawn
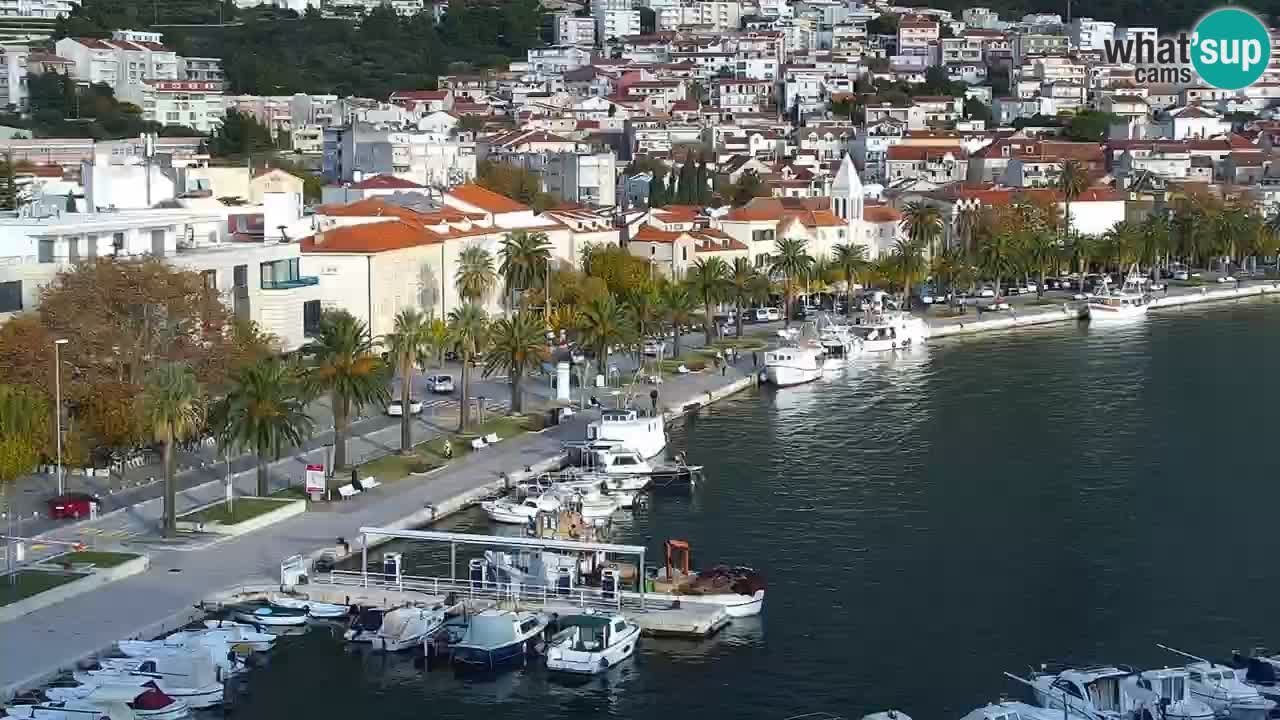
pixel 746 342
pixel 293 492
pixel 430 455
pixel 31 582
pixel 242 509
pixel 99 559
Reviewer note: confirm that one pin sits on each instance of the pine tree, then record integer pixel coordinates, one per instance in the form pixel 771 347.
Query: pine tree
pixel 700 177
pixel 688 184
pixel 674 191
pixel 658 189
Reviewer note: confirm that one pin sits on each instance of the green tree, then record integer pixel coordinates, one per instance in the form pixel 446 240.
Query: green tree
pixel 850 259
pixel 996 255
pixel 475 276
pixel 791 260
pixel 742 287
pixel 975 109
pixel 1089 126
pixel 526 262
pixel 923 224
pixel 263 412
pixel 239 135
pixel 517 344
pixel 658 189
pixel 749 186
pixel 644 306
pixel 345 367
pixel 910 264
pixel 172 406
pixel 602 323
pixel 1072 180
pixel 709 280
pixel 410 344
pixel 469 335
pixel 883 24
pixel 678 306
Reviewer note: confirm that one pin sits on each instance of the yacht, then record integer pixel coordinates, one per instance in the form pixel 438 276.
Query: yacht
pixel 1127 303
pixel 1224 689
pixel 646 435
pixel 795 362
pixel 891 331
pixel 590 643
pixel 839 344
pixel 621 468
pixel 513 512
pixel 408 627
pixel 496 637
pixel 1119 693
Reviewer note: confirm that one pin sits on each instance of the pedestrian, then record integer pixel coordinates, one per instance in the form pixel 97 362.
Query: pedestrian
pixel 754 359
pixel 724 370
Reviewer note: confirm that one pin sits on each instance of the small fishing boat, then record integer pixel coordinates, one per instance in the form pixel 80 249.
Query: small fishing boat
pixel 886 331
pixel 365 625
pixel 626 426
pixel 740 590
pixel 513 512
pixel 314 608
pixel 496 637
pixel 265 615
pixel 1130 302
pixel 84 702
pixel 839 344
pixel 795 363
pixel 595 506
pixel 219 652
pixel 237 636
pixel 407 627
pixel 590 643
pixel 191 678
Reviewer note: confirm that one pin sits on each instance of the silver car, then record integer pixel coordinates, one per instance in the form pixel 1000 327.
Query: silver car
pixel 440 383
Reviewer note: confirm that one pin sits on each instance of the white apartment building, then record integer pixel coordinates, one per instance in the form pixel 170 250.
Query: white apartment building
pixel 742 95
pixel 201 69
pixel 556 59
pixel 980 17
pixel 404 8
pixel 570 30
pixel 196 104
pixel 717 15
pixel 13 76
pixel 667 14
pixel 615 19
pixel 574 177
pixel 128 58
pixel 916 33
pixel 354 153
pixel 1089 34
pixel 775 8
pixel 48 9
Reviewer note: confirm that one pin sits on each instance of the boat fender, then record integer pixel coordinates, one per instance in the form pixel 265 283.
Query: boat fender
pixel 604 663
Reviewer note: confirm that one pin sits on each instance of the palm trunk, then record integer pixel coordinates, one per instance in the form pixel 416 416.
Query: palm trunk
pixel 263 479
pixel 406 384
pixel 339 433
pixel 1040 285
pixel 675 344
pixel 786 304
pixel 464 409
pixel 170 492
pixel 706 323
pixel 517 404
pixel 737 311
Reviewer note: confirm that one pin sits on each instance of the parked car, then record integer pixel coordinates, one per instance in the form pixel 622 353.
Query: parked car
pixel 1013 290
pixel 774 313
pixel 1157 286
pixel 440 383
pixel 652 347
pixel 987 292
pixel 73 505
pixel 1227 279
pixel 1033 287
pixel 396 409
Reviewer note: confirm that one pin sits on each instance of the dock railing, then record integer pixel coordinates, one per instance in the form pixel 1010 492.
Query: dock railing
pixel 489 589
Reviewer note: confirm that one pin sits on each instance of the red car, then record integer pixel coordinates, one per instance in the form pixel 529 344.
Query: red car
pixel 73 505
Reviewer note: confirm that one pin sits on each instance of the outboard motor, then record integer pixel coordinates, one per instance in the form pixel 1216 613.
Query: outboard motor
pixel 564 581
pixel 477 573
pixel 609 583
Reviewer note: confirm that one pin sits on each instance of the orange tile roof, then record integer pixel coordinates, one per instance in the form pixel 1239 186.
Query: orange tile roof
pixel 649 233
pixel 372 237
pixel 386 182
pixel 881 214
pixel 486 200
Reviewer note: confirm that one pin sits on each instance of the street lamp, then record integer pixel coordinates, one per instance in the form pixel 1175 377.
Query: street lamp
pixel 57 385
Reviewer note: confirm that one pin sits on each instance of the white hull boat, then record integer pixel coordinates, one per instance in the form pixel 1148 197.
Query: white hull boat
pixel 115 702
pixel 789 366
pixel 205 696
pixel 269 616
pixel 892 331
pixel 595 506
pixel 240 639
pixel 1125 305
pixel 314 608
pixel 591 643
pixel 138 652
pixel 739 590
pixel 645 435
pixel 512 512
pixel 495 638
pixel 405 628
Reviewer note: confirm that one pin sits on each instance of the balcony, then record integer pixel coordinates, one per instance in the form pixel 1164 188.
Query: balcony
pixel 291 283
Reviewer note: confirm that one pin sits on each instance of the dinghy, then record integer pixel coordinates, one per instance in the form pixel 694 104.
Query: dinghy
pixel 265 615
pixel 314 608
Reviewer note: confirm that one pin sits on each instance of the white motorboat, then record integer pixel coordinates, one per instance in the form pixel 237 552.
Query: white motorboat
pixel 514 512
pixel 314 608
pixel 621 468
pixel 626 499
pixel 1260 671
pixel 1172 687
pixel 794 363
pixel 1119 693
pixel 237 637
pixel 891 331
pixel 646 435
pixel 191 678
pixel 879 715
pixel 594 505
pixel 1127 303
pixel 365 625
pixel 497 637
pixel 590 643
pixel 264 615
pixel 1223 688
pixel 115 702
pixel 839 345
pixel 1012 710
pixel 218 651
pixel 407 627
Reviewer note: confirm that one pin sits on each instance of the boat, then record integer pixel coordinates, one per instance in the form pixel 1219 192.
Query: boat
pixel 218 651
pixel 1261 672
pixel 314 608
pixel 1223 688
pixel 497 637
pixel 1172 687
pixel 1127 303
pixel 589 643
pixel 839 345
pixel 407 627
pixel 621 468
pixel 886 331
pixel 237 636
pixel 1114 692
pixel 1013 710
pixel 740 590
pixel 594 506
pixel 265 615
pixel 513 512
pixel 646 435
pixel 191 678
pixel 365 625
pixel 143 702
pixel 795 362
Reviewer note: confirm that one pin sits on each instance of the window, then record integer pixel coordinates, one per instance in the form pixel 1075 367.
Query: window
pixel 10 296
pixel 44 250
pixel 210 278
pixel 91 245
pixel 528 625
pixel 240 276
pixel 117 242
pixel 624 460
pixel 684 253
pixel 311 318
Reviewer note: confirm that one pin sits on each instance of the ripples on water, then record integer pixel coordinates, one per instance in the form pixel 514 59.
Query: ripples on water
pixel 925 521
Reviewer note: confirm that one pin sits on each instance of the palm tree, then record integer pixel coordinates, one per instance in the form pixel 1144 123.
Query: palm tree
pixel 1154 241
pixel 851 261
pixel 468 333
pixel 790 260
pixel 264 411
pixel 410 345
pixel 742 289
pixel 172 405
pixel 515 345
pixel 678 306
pixel 909 262
pixel 475 276
pixel 1072 181
pixel 345 367
pixel 996 253
pixel 603 322
pixel 1122 241
pixel 967 222
pixel 708 279
pixel 1081 250
pixel 1042 250
pixel 1230 226
pixel 644 306
pixel 526 261
pixel 923 224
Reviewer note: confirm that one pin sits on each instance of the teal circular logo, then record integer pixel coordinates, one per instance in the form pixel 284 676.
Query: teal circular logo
pixel 1230 48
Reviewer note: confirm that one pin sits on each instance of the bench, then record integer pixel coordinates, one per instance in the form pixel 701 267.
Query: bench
pixel 369 483
pixel 491 438
pixel 478 444
pixel 348 491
